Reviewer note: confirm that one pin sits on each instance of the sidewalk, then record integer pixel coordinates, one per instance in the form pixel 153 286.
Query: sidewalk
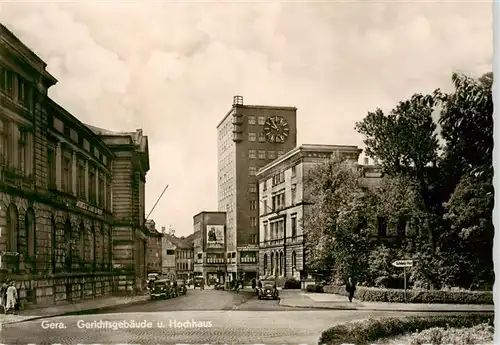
pixel 73 308
pixel 300 299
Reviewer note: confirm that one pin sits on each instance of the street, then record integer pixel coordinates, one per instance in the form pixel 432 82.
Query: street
pixel 207 316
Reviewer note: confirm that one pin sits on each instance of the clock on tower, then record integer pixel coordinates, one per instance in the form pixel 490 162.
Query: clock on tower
pixel 276 129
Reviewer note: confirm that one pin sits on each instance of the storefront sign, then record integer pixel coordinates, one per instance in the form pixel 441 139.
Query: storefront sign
pixel 90 208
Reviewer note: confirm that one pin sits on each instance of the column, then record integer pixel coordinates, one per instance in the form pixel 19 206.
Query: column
pixel 87 180
pixel 96 184
pixel 58 165
pixel 73 173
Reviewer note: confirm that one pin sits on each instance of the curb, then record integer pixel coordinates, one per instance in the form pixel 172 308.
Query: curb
pixel 385 309
pixel 74 312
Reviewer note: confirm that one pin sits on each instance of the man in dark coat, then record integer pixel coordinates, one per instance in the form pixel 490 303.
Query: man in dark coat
pixel 350 287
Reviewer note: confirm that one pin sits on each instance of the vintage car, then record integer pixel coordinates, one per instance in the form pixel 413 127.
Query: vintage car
pixel 268 290
pixel 199 282
pixel 161 288
pixel 181 287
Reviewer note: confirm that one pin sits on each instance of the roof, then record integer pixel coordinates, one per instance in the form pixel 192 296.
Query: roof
pixel 308 148
pixel 182 242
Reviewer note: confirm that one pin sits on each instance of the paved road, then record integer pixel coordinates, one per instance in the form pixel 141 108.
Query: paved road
pixel 215 321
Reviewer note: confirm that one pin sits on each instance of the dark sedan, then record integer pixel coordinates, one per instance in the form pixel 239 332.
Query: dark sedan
pixel 268 291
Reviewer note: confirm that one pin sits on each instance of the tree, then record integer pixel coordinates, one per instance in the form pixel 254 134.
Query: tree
pixel 405 142
pixel 336 226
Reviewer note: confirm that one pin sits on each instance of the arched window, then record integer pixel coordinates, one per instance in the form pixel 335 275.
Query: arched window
pixel 68 250
pixel 53 242
pixel 13 228
pixel 272 263
pixel 281 263
pixel 294 259
pixel 30 226
pixel 81 244
pixel 265 264
pixel 277 264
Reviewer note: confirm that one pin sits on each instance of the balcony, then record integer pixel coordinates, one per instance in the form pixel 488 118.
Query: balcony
pixel 281 241
pixel 215 261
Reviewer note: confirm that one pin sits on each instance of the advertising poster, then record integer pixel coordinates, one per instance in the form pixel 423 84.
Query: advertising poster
pixel 215 236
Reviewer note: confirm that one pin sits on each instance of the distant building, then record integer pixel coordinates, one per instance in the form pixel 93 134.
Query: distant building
pixel 168 256
pixel 249 137
pixel 154 255
pixel 178 262
pixel 210 247
pixel 283 195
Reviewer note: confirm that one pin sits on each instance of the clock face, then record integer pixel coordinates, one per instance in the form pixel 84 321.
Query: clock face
pixel 276 129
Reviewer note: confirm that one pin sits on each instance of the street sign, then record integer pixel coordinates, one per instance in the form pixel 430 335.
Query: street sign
pixel 403 263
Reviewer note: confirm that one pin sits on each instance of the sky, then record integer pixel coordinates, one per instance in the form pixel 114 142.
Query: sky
pixel 172 69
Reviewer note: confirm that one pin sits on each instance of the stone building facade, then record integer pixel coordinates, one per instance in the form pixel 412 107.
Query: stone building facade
pixel 154 255
pixel 55 195
pixel 130 235
pixel 283 203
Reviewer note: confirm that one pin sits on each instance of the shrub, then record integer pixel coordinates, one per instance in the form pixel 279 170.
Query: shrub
pixel 479 334
pixel 369 294
pixel 315 288
pixel 368 331
pixel 292 283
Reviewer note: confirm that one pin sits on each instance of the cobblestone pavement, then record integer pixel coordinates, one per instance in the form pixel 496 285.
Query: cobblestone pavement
pixel 227 326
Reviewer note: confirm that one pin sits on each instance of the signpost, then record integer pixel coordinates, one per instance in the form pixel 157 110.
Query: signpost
pixel 404 264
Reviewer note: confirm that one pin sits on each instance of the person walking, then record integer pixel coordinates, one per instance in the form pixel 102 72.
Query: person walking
pixel 11 298
pixel 350 287
pixel 3 296
pixel 254 283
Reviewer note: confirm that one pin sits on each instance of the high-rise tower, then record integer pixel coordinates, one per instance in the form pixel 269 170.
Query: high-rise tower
pixel 249 137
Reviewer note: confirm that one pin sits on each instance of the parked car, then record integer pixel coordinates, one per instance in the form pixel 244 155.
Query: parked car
pixel 268 290
pixel 181 287
pixel 199 282
pixel 161 288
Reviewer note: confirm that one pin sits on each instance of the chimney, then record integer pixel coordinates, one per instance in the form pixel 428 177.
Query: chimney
pixel 238 100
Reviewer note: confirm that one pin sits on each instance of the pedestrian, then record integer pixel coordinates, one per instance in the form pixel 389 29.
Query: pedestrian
pixel 350 287
pixel 11 298
pixel 254 283
pixel 260 284
pixel 3 296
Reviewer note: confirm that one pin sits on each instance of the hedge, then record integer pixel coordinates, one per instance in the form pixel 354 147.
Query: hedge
pixel 314 288
pixel 292 283
pixel 370 294
pixel 368 331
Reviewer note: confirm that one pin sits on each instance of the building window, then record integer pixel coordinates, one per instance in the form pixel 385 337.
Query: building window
pixel 262 154
pixel 264 185
pixel 254 239
pixel 23 151
pixel 92 246
pixel 253 188
pixel 101 190
pixel 25 93
pixel 382 227
pixel 248 257
pixel 272 263
pixel 67 246
pixel 251 120
pixel 271 155
pixel 294 171
pixel 278 201
pixel 80 179
pixel 252 171
pixel 251 154
pixel 13 228
pixel 265 264
pixel 3 143
pixel 266 207
pixel 67 169
pixel 294 193
pixel 261 120
pixel 266 231
pixel 51 160
pixel 281 263
pixel 92 184
pixel 29 223
pixel 294 260
pixel 401 227
pixel 253 222
pixel 81 243
pixel 280 153
pixel 253 204
pixel 7 82
pixel 294 227
pixel 252 136
pixel 262 137
pixel 366 161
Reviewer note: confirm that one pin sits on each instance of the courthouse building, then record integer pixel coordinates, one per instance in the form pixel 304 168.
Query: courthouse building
pixel 283 203
pixel 56 181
